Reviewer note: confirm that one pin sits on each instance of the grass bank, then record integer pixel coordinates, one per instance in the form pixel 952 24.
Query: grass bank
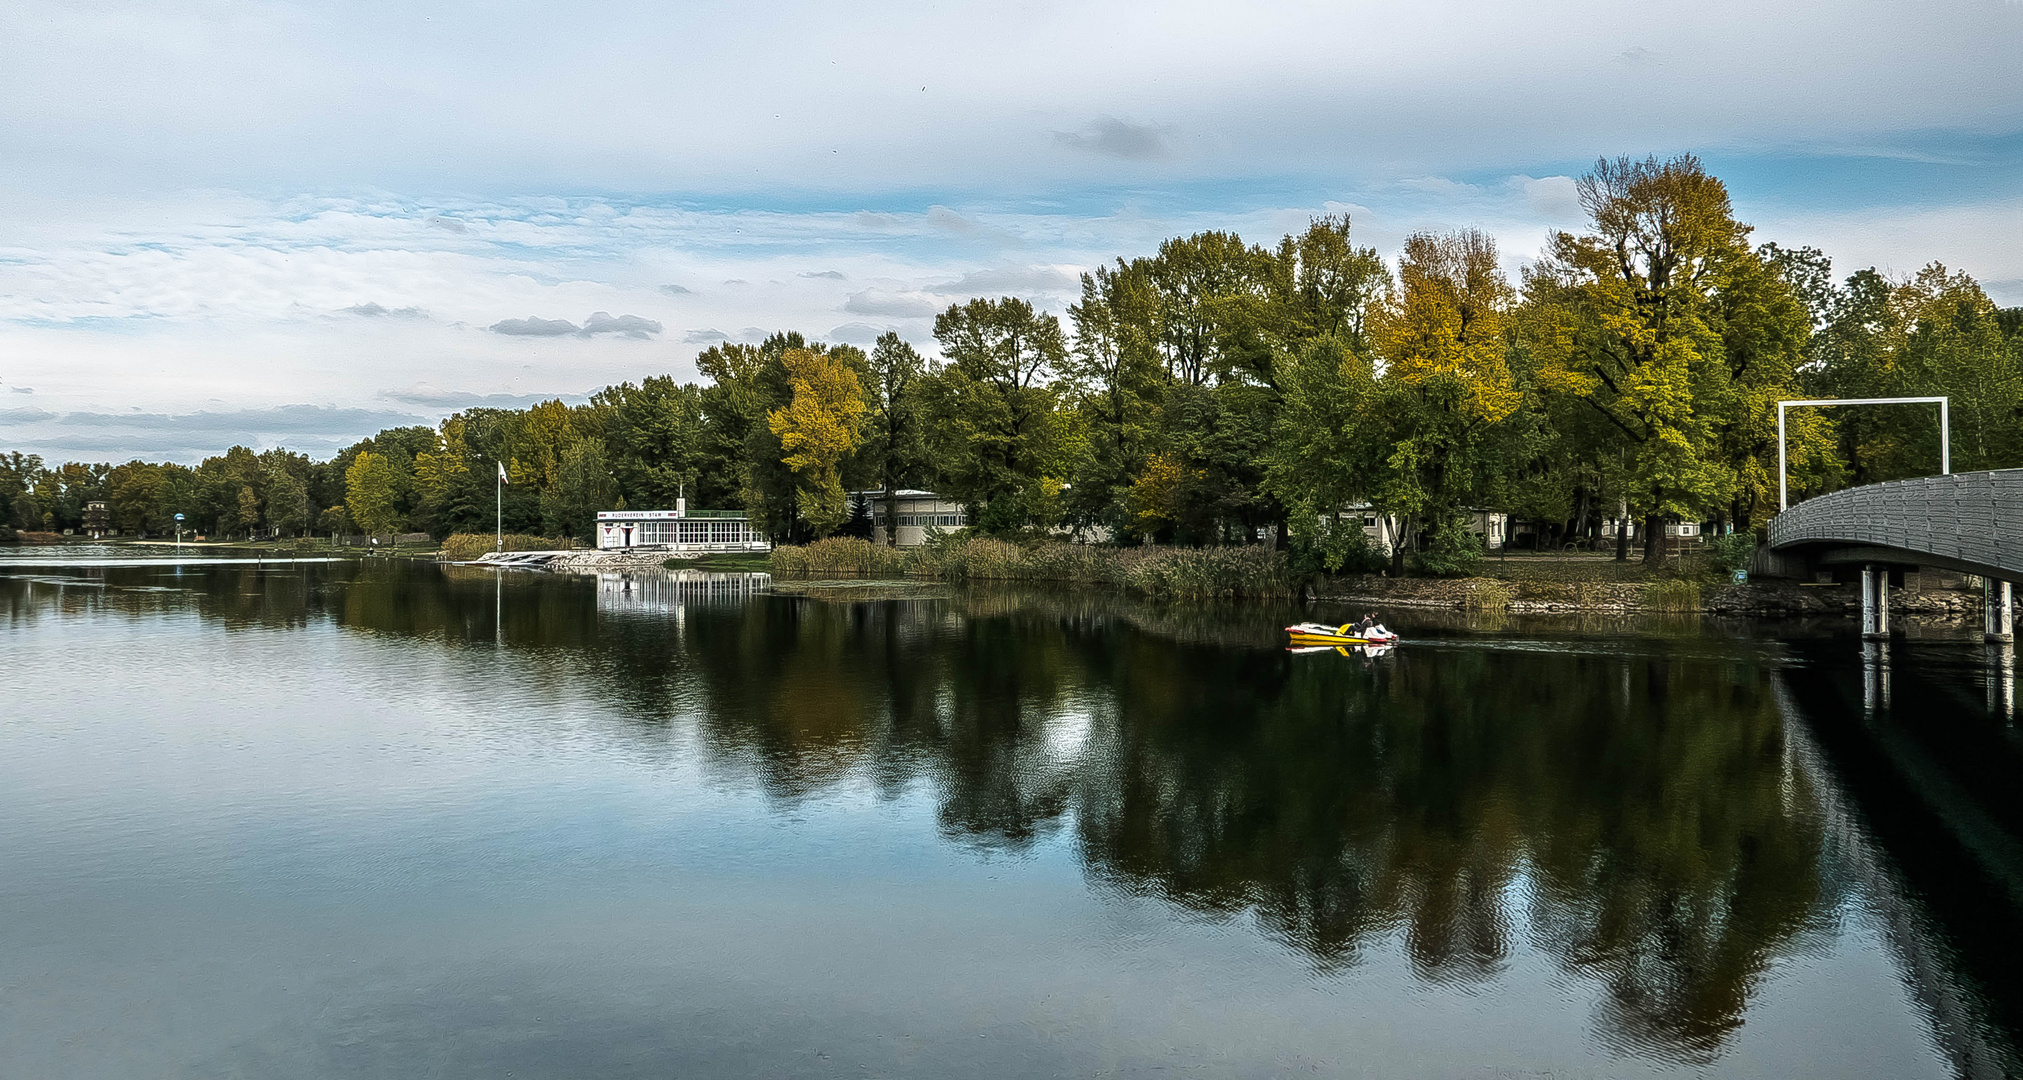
pixel 1179 573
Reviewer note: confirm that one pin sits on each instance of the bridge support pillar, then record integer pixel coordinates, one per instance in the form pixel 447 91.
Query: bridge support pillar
pixel 1998 610
pixel 1875 603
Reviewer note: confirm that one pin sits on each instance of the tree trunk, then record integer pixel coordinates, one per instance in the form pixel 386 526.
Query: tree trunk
pixel 1399 539
pixel 1623 531
pixel 1654 540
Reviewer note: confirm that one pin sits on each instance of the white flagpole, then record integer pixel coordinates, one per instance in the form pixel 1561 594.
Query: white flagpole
pixel 499 506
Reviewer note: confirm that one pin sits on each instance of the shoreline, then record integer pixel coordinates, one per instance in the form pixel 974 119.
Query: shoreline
pixel 1767 599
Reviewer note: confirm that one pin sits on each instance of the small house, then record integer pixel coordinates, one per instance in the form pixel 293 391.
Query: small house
pixel 97 520
pixel 915 512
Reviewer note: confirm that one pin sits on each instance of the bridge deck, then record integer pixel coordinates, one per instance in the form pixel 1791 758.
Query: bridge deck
pixel 1970 522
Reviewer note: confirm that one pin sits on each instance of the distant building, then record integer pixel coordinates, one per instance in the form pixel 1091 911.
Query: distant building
pixel 97 520
pixel 678 530
pixel 1386 531
pixel 916 511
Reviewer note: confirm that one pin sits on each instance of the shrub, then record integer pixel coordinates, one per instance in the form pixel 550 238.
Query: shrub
pixel 1733 551
pixel 1335 547
pixel 1451 551
pixel 463 547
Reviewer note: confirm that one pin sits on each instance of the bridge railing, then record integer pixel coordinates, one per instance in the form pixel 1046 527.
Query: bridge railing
pixel 1971 518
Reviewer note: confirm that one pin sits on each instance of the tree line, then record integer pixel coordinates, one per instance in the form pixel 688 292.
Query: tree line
pixel 1220 391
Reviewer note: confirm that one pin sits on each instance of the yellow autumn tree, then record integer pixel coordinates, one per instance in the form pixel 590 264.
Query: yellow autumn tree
pixel 1446 382
pixel 818 426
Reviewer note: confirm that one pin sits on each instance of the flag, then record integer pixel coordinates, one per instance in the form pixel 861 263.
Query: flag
pixel 502 473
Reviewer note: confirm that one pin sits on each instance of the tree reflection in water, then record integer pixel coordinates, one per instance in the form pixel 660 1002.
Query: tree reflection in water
pixel 1633 816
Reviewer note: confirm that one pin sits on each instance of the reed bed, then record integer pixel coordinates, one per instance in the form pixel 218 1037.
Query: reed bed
pixel 1178 573
pixel 1490 595
pixel 1672 594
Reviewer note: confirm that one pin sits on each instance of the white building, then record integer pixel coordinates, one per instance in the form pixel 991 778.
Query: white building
pixel 917 511
pixel 1385 531
pixel 678 530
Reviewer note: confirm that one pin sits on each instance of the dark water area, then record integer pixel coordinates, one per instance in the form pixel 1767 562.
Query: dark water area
pixel 387 819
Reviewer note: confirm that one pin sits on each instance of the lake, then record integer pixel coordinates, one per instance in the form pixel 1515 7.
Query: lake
pixel 387 819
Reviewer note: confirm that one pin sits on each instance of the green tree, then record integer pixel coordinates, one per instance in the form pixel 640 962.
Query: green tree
pixel 19 475
pixel 249 510
pixel 655 436
pixel 991 405
pixel 1324 449
pixel 895 443
pixel 1934 333
pixel 287 506
pixel 578 486
pixel 1116 378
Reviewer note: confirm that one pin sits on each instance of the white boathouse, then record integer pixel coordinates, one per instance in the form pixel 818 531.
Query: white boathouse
pixel 678 529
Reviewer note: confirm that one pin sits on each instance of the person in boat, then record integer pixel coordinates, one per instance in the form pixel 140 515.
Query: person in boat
pixel 1371 628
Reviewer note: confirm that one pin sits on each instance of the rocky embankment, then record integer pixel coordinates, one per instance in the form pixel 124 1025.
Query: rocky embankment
pixel 1762 598
pixel 578 560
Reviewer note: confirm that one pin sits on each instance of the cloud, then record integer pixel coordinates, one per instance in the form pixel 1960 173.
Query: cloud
pixel 29 415
pixel 316 419
pixel 377 311
pixel 431 397
pixel 941 217
pixel 676 290
pixel 1120 138
pixel 1008 280
pixel 834 275
pixel 599 322
pixel 750 335
pixel 534 326
pixel 905 305
pixel 857 333
pixel 632 326
pixel 1551 197
pixel 21 389
pixel 320 430
pixel 448 225
pixel 1636 56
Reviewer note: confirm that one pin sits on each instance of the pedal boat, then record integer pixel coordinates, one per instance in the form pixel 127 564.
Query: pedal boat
pixel 1321 635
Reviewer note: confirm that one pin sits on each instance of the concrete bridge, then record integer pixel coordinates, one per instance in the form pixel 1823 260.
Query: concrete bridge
pixel 1967 522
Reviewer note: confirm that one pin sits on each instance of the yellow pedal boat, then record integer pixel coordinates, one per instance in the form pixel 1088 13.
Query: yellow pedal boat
pixel 1309 635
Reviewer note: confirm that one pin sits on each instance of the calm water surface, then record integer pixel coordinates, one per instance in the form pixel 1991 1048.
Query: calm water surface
pixel 390 820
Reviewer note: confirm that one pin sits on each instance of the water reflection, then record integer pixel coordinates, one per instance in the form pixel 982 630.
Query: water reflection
pixel 1644 816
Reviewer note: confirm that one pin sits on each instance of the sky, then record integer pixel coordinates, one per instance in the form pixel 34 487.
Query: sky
pixel 293 224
